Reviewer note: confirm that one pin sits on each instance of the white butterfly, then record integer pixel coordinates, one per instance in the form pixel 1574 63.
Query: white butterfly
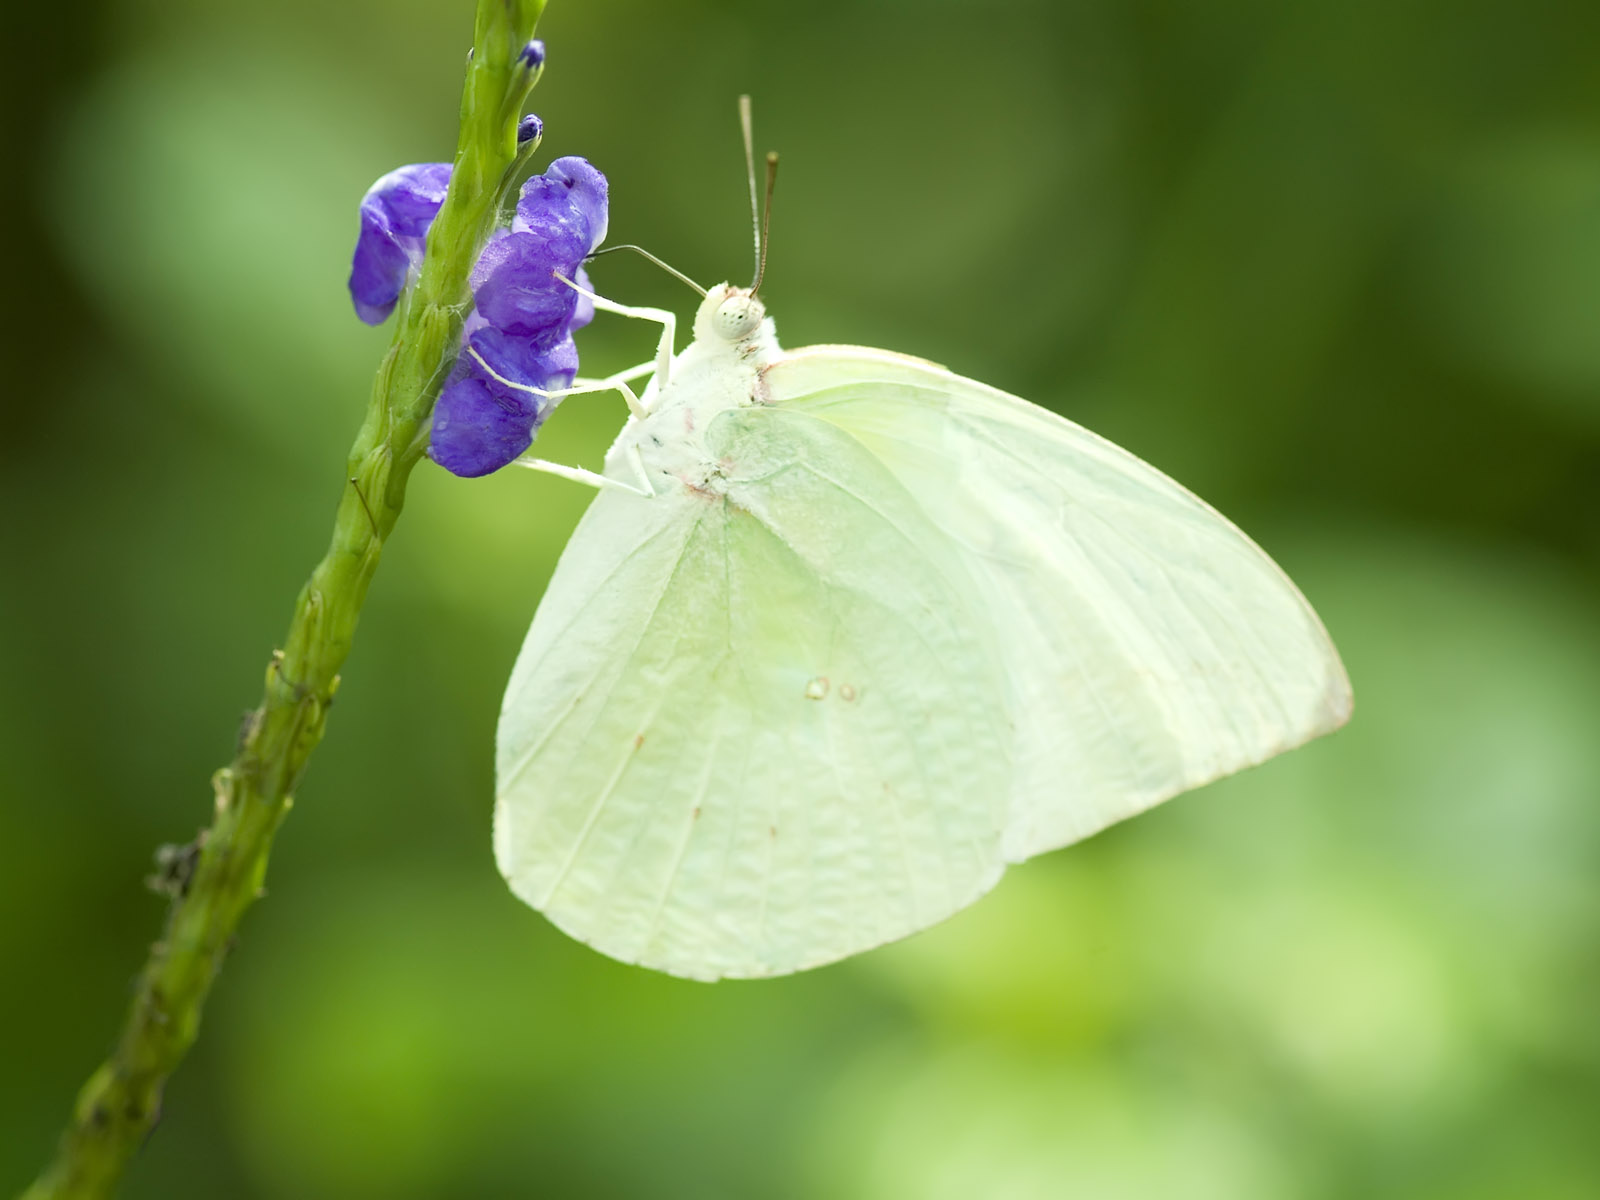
pixel 845 634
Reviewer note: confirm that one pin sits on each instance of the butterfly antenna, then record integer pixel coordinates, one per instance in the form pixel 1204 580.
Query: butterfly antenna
pixel 745 124
pixel 766 221
pixel 667 267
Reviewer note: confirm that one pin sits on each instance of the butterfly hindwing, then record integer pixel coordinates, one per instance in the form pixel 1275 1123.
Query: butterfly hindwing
pixel 756 726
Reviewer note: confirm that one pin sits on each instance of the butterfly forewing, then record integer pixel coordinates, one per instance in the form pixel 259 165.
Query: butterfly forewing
pixel 1149 645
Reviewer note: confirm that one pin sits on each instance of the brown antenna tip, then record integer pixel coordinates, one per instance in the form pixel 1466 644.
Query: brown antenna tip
pixel 766 219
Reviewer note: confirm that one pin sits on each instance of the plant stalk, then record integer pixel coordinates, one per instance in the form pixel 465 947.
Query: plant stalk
pixel 216 879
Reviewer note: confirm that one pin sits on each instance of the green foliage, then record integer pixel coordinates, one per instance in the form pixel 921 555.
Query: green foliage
pixel 1329 264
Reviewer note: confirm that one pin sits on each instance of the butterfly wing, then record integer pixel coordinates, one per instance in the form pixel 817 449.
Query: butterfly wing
pixel 1150 646
pixel 758 727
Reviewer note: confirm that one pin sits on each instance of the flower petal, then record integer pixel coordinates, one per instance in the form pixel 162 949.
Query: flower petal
pixel 569 187
pixel 395 215
pixel 584 313
pixel 515 284
pixel 412 195
pixel 524 362
pixel 588 190
pixel 378 269
pixel 476 432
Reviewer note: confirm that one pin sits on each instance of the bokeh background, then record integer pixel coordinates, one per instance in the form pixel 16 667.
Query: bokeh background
pixel 1335 265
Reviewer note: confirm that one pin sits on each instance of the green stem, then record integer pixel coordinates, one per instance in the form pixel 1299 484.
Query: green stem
pixel 120 1104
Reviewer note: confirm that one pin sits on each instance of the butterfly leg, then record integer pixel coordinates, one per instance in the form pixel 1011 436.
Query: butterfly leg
pixel 592 478
pixel 611 383
pixel 668 322
pixel 628 376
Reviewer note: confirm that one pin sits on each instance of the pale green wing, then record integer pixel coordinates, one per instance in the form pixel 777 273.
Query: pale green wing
pixel 1149 644
pixel 755 732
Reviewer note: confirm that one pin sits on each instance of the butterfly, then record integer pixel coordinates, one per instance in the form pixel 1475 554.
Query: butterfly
pixel 845 634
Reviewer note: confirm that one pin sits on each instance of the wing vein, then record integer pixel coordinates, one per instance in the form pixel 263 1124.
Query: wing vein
pixel 515 771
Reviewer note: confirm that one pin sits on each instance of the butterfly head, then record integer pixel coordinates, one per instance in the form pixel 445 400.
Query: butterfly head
pixel 730 316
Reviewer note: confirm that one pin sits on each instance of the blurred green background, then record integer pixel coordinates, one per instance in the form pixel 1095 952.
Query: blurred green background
pixel 1335 265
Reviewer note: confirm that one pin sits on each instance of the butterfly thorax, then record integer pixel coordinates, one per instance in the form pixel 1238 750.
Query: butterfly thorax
pixel 720 370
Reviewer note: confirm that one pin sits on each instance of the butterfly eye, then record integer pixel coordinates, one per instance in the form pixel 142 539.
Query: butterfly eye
pixel 736 317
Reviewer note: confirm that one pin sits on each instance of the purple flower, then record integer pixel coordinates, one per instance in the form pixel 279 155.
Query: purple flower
pixel 585 189
pixel 584 313
pixel 395 215
pixel 517 342
pixel 514 282
pixel 520 336
pixel 475 431
pixel 560 219
pixel 526 362
pixel 486 415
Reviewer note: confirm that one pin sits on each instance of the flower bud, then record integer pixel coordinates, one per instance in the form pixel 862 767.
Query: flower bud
pixel 531 58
